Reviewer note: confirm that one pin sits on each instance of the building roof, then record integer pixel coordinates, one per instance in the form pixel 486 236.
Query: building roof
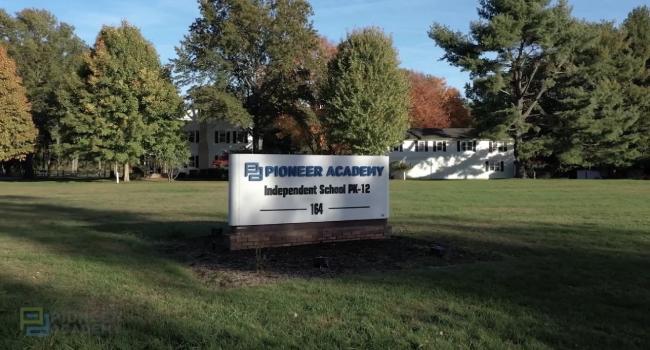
pixel 447 133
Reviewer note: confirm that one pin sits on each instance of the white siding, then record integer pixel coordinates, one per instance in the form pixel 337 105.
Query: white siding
pixel 454 164
pixel 209 146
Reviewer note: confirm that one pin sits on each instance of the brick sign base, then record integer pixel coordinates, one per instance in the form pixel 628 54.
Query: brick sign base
pixel 285 235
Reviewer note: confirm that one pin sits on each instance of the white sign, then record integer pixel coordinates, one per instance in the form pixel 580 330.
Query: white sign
pixel 278 189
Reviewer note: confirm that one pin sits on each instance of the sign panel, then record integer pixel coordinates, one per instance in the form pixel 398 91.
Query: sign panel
pixel 279 189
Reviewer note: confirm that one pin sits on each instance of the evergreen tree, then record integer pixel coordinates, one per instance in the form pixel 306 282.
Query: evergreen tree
pixel 49 56
pixel 128 100
pixel 17 131
pixel 596 109
pixel 367 95
pixel 514 54
pixel 249 61
pixel 637 29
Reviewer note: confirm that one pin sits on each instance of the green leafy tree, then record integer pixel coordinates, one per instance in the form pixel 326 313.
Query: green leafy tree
pixel 401 167
pixel 49 56
pixel 367 95
pixel 514 53
pixel 127 103
pixel 171 149
pixel 17 131
pixel 248 61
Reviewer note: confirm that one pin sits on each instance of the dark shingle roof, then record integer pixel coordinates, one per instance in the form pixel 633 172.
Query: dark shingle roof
pixel 447 133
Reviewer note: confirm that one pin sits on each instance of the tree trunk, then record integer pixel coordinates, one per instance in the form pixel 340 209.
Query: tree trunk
pixel 256 138
pixel 117 173
pixel 403 175
pixel 520 168
pixel 47 159
pixel 29 166
pixel 74 165
pixel 127 170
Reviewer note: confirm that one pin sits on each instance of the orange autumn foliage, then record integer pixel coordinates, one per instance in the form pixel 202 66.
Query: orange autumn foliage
pixel 436 105
pixel 308 134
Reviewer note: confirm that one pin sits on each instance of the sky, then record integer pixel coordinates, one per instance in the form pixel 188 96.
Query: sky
pixel 165 22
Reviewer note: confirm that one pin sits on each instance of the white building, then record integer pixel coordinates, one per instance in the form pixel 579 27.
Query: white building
pixel 453 153
pixel 213 141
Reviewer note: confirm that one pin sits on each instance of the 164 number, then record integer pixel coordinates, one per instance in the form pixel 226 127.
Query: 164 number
pixel 316 208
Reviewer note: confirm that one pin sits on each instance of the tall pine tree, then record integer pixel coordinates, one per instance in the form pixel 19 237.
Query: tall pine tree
pixel 637 31
pixel 17 130
pixel 594 102
pixel 514 53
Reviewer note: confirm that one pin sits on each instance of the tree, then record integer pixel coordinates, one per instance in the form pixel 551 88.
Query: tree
pixel 251 57
pixel 401 167
pixel 305 130
pixel 127 104
pixel 49 56
pixel 17 131
pixel 594 102
pixel 514 54
pixel 171 148
pixel 637 30
pixel 434 104
pixel 367 95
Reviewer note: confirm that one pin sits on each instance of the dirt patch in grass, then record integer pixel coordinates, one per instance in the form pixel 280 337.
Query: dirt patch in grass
pixel 218 266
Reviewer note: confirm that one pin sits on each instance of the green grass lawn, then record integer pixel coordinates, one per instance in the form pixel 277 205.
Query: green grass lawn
pixel 569 267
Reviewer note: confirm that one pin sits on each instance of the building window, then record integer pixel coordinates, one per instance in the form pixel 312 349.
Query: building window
pixel 194 161
pixel 421 146
pixel 193 136
pixel 242 137
pixel 440 146
pixel 495 166
pixel 498 146
pixel 222 136
pixel 466 146
pixel 216 136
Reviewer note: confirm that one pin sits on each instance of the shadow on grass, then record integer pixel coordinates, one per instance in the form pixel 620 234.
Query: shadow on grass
pixel 551 285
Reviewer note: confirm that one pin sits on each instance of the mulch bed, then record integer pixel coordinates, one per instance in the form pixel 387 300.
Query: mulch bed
pixel 218 266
